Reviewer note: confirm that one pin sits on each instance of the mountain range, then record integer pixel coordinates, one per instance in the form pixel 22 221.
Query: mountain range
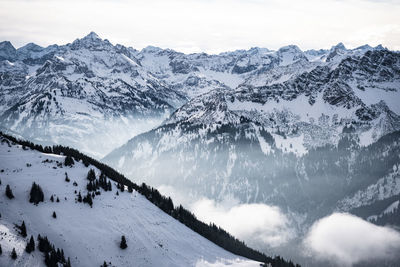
pixel 310 132
pixel 80 93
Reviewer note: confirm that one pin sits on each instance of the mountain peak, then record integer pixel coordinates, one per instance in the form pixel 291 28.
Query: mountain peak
pixel 339 46
pixel 7 51
pixel 92 36
pixel 151 49
pixel 6 44
pixel 259 50
pixel 91 41
pixel 30 47
pixel 290 48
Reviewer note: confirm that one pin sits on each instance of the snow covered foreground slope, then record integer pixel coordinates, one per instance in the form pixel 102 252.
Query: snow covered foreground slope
pixel 90 236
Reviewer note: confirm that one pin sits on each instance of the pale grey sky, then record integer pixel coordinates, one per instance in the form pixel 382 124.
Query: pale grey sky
pixel 204 25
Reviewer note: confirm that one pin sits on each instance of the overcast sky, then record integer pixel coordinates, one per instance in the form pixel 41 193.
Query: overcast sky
pixel 204 25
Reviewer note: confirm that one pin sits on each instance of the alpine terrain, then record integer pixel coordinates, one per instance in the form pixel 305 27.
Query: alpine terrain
pixel 308 133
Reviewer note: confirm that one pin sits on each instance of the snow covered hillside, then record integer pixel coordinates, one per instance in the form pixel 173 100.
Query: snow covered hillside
pixel 91 235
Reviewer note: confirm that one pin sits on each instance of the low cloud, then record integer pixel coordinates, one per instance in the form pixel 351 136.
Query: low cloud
pixel 346 240
pixel 259 223
pixel 225 262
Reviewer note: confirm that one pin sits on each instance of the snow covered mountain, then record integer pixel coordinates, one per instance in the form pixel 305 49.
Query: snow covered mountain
pixel 287 144
pixel 89 231
pixel 90 90
pixel 80 94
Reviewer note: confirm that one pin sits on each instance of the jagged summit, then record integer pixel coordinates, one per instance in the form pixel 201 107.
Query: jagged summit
pixel 91 41
pixel 293 48
pixel 92 35
pixel 6 45
pixel 7 51
pixel 339 46
pixel 30 46
pixel 151 49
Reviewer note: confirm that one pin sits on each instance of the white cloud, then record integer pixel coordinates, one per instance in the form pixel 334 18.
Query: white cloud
pixel 232 263
pixel 256 223
pixel 346 239
pixel 259 225
pixel 203 25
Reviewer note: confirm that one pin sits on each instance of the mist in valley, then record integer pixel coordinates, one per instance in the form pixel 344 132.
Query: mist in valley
pixel 93 136
pixel 271 202
pixel 339 239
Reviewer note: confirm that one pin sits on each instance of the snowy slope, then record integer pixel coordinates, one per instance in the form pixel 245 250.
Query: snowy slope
pixel 88 235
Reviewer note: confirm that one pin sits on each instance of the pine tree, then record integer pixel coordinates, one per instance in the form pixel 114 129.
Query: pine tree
pixel 67 178
pixel 22 229
pixel 58 200
pixel 88 199
pixel 69 161
pixel 104 264
pixel 36 194
pixel 123 244
pixel 89 186
pixel 30 246
pixel 44 244
pixel 1 251
pixel 91 176
pixel 9 192
pixel 52 198
pixel 13 254
pixel 47 259
pixel 54 215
